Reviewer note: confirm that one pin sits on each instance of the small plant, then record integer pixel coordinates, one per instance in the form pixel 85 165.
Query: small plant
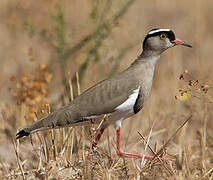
pixel 192 87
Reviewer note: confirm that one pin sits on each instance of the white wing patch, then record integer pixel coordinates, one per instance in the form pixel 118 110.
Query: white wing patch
pixel 128 105
pixel 158 30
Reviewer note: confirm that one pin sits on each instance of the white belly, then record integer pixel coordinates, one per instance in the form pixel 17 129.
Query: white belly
pixel 128 105
pixel 125 110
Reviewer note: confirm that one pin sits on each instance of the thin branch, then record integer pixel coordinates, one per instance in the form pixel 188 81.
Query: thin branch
pixel 16 148
pixel 172 137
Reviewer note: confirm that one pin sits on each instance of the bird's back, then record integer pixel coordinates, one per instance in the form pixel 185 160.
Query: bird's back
pixel 102 98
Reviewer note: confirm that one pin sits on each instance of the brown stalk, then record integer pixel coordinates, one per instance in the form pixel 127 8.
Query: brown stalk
pixel 150 148
pixel 203 142
pixel 172 137
pixel 53 145
pixel 16 148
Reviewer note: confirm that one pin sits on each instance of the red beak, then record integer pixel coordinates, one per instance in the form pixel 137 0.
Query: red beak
pixel 180 42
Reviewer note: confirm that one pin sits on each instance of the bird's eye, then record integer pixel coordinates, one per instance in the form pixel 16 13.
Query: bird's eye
pixel 163 36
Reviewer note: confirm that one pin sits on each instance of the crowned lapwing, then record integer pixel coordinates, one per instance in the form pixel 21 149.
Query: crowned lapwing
pixel 118 97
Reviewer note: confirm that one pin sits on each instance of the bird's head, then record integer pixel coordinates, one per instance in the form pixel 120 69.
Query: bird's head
pixel 158 40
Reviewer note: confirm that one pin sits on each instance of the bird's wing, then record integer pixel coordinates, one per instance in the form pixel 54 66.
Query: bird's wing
pixel 102 98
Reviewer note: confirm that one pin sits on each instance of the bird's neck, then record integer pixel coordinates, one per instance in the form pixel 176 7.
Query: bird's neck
pixel 143 69
pixel 149 55
pixel 147 58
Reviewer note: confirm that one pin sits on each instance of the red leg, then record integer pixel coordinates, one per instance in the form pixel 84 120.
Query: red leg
pixel 95 142
pixel 129 155
pixel 97 138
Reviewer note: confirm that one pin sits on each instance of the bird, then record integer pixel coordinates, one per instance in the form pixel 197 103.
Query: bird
pixel 118 97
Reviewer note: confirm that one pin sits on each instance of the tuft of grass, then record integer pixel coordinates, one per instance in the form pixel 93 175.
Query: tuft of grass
pixel 63 154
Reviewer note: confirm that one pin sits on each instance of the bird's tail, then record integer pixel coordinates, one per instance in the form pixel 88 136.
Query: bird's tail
pixel 63 117
pixel 22 133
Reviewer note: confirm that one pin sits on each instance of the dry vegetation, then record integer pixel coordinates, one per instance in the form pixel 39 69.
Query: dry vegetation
pixel 45 42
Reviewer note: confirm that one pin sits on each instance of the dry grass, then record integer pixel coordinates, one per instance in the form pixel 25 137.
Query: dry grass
pixel 46 42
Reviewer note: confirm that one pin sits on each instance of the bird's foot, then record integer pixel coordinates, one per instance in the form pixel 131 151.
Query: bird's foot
pixel 139 156
pixel 169 162
pixel 131 155
pixel 91 156
pixel 94 155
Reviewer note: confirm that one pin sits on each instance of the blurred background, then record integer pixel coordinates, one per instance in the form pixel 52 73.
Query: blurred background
pixel 45 42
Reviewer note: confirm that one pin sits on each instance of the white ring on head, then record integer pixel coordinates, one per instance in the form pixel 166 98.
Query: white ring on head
pixel 158 30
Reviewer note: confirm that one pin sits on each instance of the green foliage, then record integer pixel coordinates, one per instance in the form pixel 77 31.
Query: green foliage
pixel 104 20
pixel 94 12
pixel 61 45
pixel 29 27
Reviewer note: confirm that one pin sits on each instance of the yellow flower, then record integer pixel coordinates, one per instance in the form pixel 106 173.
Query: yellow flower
pixel 184 96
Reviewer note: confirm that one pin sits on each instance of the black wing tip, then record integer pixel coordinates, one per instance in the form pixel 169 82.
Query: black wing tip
pixel 22 134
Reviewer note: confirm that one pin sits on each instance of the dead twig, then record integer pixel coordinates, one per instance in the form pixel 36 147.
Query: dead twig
pixel 172 137
pixel 16 148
